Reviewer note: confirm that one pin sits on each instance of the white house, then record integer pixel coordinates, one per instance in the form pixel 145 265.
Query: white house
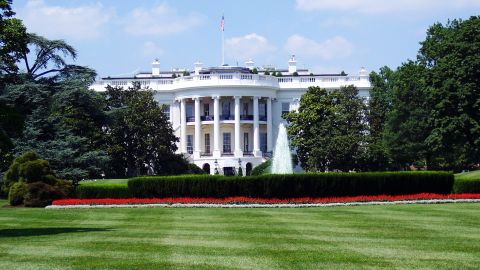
pixel 227 116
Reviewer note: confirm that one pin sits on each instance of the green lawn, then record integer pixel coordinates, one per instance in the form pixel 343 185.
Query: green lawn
pixel 367 237
pixel 104 182
pixel 468 175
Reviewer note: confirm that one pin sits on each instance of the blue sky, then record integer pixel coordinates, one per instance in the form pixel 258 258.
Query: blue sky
pixel 121 37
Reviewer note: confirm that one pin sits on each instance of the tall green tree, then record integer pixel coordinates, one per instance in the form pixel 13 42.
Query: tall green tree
pixel 140 137
pixel 329 129
pixel 451 53
pixel 407 125
pixel 379 105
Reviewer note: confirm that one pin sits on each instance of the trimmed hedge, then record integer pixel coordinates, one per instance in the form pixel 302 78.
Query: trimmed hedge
pixel 466 186
pixel 103 191
pixel 293 185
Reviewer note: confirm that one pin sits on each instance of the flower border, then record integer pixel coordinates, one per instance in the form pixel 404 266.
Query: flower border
pixel 243 202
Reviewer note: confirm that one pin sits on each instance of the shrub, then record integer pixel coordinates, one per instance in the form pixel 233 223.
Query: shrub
pixel 102 191
pixel 41 194
pixel 263 168
pixel 466 186
pixel 293 185
pixel 17 193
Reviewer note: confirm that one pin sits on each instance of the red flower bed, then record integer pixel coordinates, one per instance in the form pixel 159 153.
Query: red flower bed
pixel 247 200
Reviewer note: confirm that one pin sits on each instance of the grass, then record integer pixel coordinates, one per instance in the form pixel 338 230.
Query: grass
pixel 121 182
pixel 443 236
pixel 468 175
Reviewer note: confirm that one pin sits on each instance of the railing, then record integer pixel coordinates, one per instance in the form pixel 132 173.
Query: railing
pixel 227 117
pixel 262 118
pixel 190 118
pixel 246 117
pixel 235 79
pixel 227 154
pixel 247 154
pixel 206 118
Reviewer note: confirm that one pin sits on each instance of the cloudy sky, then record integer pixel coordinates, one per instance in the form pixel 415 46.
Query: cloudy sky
pixel 122 37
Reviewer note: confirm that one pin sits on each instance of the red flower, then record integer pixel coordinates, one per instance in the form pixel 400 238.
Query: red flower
pixel 247 200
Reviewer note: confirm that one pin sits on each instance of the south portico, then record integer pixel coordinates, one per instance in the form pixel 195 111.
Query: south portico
pixel 240 128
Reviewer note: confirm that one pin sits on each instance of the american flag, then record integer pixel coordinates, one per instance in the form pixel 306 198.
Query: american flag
pixel 222 24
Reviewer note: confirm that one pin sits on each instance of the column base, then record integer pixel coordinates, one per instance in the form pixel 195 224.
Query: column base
pixel 238 153
pixel 257 153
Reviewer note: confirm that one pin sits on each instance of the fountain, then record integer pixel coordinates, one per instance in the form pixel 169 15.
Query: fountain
pixel 282 158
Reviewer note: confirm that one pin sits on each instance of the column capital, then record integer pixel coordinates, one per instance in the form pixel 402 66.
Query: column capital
pixel 237 97
pixel 256 97
pixel 196 98
pixel 215 97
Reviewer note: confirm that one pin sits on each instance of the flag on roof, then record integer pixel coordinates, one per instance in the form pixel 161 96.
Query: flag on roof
pixel 222 24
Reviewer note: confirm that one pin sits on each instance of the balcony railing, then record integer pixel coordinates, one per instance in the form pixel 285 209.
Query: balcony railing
pixel 206 154
pixel 227 154
pixel 227 117
pixel 247 154
pixel 246 117
pixel 190 118
pixel 262 118
pixel 206 118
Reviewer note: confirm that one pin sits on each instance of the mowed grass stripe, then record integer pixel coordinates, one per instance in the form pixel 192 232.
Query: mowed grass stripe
pixel 371 237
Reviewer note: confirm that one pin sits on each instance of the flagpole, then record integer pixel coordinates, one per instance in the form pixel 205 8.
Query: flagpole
pixel 223 39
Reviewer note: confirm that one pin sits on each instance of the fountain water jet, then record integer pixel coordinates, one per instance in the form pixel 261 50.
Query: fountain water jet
pixel 282 158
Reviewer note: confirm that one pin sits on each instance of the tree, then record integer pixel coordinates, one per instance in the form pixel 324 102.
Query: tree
pixel 329 129
pixel 13 39
pixel 451 53
pixel 140 138
pixel 407 125
pixel 379 105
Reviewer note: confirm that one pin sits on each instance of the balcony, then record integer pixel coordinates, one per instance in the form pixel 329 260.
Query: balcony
pixel 247 154
pixel 190 118
pixel 206 118
pixel 206 154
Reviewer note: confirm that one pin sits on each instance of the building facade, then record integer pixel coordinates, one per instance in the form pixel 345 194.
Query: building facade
pixel 228 117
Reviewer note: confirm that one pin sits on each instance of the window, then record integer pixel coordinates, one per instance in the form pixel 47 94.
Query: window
pixel 189 110
pixel 207 143
pixel 285 108
pixel 190 144
pixel 206 109
pixel 245 108
pixel 262 109
pixel 245 142
pixel 166 111
pixel 263 142
pixel 226 108
pixel 227 144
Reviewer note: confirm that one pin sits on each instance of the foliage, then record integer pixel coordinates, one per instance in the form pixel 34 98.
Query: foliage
pixel 295 74
pixel 263 168
pixel 140 138
pixel 17 193
pixel 379 106
pixel 266 72
pixel 466 186
pixel 255 71
pixel 30 180
pixel 293 185
pixel 329 129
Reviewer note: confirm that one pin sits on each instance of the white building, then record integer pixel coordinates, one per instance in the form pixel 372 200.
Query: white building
pixel 226 116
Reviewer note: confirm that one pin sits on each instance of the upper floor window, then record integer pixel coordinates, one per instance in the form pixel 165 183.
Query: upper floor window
pixel 166 111
pixel 285 107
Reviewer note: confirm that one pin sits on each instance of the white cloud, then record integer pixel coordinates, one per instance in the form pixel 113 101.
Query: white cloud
pixel 336 47
pixel 151 49
pixel 384 6
pixel 160 20
pixel 83 22
pixel 248 46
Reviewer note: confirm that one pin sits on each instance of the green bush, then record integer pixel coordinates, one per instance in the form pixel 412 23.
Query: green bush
pixel 263 168
pixel 466 186
pixel 103 191
pixel 293 185
pixel 17 193
pixel 41 194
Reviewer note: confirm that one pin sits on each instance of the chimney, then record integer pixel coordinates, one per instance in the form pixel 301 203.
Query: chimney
pixel 197 67
pixel 156 68
pixel 292 65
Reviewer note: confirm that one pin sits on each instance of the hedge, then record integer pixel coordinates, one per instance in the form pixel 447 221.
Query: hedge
pixel 102 191
pixel 293 185
pixel 466 186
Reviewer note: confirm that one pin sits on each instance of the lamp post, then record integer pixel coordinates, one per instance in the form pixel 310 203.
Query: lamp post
pixel 240 170
pixel 216 167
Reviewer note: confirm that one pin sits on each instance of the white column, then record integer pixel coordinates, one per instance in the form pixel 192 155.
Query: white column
pixel 269 125
pixel 216 127
pixel 183 127
pixel 198 129
pixel 256 129
pixel 237 150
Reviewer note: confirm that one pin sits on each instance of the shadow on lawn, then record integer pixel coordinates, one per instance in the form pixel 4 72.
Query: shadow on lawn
pixel 45 231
